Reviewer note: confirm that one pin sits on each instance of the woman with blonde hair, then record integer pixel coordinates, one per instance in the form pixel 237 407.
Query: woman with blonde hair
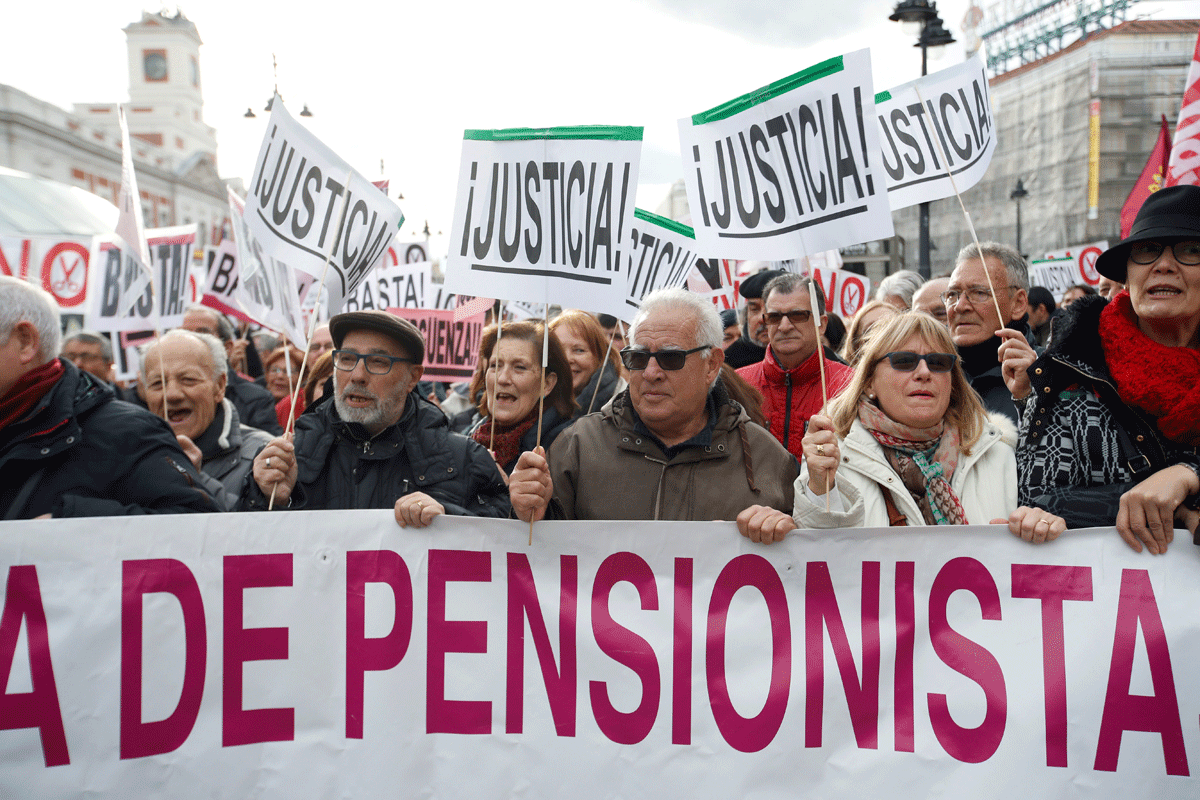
pixel 870 314
pixel 909 443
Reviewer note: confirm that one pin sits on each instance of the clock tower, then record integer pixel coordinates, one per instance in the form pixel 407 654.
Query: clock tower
pixel 166 101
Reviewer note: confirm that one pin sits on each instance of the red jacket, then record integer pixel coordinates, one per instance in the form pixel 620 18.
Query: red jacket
pixel 791 397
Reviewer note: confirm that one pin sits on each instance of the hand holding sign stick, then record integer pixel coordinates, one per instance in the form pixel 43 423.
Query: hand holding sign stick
pixel 312 322
pixel 816 319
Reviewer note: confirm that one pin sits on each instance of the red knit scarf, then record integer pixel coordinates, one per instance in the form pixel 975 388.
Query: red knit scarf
pixel 28 390
pixel 1162 381
pixel 507 444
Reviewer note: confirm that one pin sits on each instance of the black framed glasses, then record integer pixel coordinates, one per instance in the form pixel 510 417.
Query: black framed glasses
pixel 669 360
pixel 377 363
pixel 797 317
pixel 906 361
pixel 977 295
pixel 1148 252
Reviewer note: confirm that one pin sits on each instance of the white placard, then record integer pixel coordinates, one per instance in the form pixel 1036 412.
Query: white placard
pixel 295 208
pixel 266 289
pixel 944 119
pixel 393 285
pixel 546 216
pixel 59 264
pixel 120 298
pixel 662 256
pixel 790 169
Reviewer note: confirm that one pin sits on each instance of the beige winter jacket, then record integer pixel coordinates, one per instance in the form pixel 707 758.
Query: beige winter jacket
pixel 603 469
pixel 985 482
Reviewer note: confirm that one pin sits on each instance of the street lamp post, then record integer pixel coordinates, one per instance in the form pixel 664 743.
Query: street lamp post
pixel 920 17
pixel 1019 194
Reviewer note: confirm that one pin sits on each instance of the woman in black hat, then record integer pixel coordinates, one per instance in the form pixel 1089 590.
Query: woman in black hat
pixel 1110 427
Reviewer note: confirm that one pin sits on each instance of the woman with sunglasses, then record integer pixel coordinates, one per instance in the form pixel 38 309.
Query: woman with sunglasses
pixel 1110 428
pixel 909 443
pixel 509 390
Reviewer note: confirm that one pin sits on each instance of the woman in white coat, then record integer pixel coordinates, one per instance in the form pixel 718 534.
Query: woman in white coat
pixel 909 443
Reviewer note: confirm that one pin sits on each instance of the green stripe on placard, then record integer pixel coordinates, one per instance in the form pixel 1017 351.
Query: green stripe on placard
pixel 883 96
pixel 624 133
pixel 781 86
pixel 663 222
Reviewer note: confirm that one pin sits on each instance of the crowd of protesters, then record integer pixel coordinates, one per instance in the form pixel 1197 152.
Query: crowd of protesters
pixel 970 398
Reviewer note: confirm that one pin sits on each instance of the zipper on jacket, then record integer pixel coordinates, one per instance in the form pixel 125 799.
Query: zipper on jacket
pixel 787 415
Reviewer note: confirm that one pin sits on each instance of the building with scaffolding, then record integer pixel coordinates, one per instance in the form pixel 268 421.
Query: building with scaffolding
pixel 1075 127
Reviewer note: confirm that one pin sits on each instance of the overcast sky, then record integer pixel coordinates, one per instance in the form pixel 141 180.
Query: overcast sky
pixel 400 81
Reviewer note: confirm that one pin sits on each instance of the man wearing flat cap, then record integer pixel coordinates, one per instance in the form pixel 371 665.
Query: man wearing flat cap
pixel 378 444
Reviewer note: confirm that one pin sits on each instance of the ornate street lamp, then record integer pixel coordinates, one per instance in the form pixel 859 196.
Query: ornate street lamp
pixel 1019 194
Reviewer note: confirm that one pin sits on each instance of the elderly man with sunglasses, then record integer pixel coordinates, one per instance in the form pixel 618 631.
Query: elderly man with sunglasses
pixel 673 446
pixel 378 444
pixel 789 376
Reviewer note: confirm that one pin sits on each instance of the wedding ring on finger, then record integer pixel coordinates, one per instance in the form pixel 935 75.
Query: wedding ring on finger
pixel 821 450
pixel 268 464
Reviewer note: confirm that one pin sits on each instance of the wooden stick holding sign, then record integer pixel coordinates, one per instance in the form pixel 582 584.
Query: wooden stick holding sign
pixel 312 322
pixel 495 380
pixel 603 363
pixel 970 225
pixel 542 390
pixel 815 304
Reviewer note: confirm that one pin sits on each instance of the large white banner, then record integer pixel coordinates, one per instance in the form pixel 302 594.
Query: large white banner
pixel 546 215
pixel 1085 256
pixel 935 127
pixel 119 297
pixel 790 169
pixel 662 256
pixel 300 208
pixel 332 654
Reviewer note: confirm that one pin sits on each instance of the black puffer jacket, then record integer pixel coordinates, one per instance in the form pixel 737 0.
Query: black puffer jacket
pixel 1081 447
pixel 342 466
pixel 83 453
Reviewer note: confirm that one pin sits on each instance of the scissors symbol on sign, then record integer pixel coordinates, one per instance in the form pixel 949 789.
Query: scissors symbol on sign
pixel 67 283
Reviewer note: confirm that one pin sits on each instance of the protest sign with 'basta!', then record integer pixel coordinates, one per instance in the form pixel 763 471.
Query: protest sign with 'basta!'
pixel 119 298
pixel 546 215
pixel 932 128
pixel 790 169
pixel 300 209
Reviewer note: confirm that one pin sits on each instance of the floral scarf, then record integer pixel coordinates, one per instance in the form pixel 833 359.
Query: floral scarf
pixel 924 458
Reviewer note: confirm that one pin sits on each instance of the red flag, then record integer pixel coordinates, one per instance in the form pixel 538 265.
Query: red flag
pixel 1184 168
pixel 1150 181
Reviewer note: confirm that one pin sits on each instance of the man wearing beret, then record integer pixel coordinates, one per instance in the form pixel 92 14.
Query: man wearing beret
pixel 378 444
pixel 752 346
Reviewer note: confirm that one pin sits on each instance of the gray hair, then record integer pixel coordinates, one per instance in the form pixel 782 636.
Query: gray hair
pixel 709 331
pixel 92 337
pixel 21 301
pixel 790 282
pixel 225 328
pixel 1014 265
pixel 902 284
pixel 216 350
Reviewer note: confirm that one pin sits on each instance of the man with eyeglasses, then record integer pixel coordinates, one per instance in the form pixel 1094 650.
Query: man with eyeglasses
pixel 378 444
pixel 789 376
pixel 91 352
pixel 977 331
pixel 673 446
